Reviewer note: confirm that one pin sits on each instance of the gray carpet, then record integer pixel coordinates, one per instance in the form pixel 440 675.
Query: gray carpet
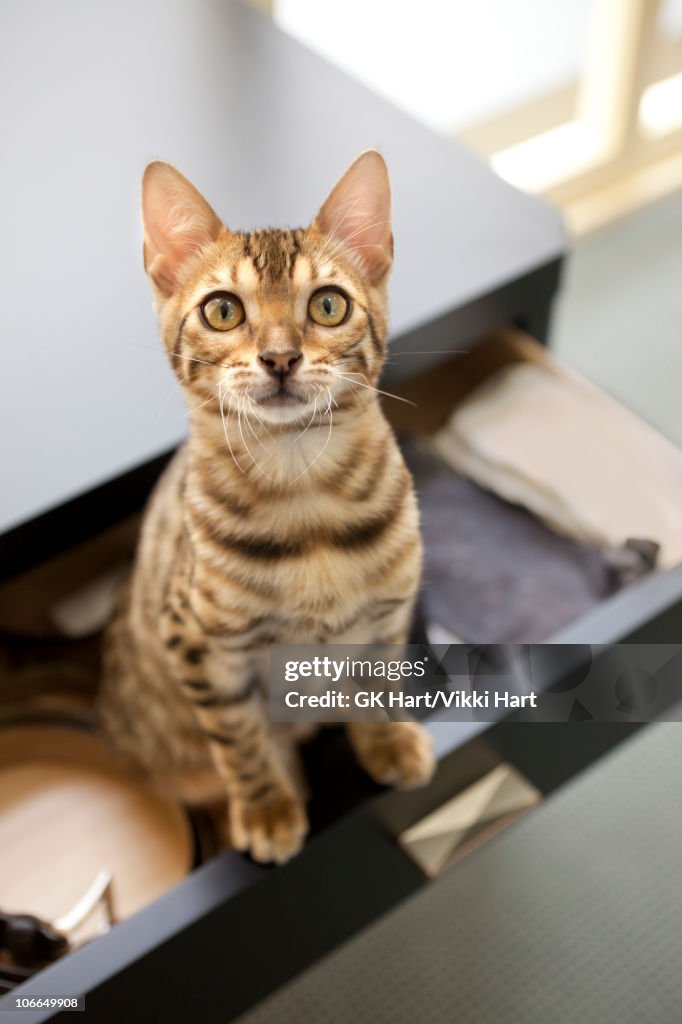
pixel 574 916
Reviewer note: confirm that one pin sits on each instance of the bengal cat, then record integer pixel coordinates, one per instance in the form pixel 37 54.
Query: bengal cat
pixel 288 516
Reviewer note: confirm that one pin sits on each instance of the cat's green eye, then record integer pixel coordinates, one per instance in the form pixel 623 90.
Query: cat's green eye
pixel 328 307
pixel 222 311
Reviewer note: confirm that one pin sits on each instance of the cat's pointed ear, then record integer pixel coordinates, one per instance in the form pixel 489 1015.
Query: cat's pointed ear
pixel 177 222
pixel 357 213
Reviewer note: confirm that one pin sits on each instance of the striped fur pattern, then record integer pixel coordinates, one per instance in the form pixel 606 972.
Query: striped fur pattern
pixel 288 516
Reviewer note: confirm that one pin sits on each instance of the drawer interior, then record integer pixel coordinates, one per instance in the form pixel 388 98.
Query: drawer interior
pixel 561 498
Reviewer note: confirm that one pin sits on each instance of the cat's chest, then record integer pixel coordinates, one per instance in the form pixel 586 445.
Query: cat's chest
pixel 290 599
pixel 306 590
pixel 306 567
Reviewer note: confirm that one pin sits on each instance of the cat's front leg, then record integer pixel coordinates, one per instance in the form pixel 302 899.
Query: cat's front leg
pixel 393 753
pixel 266 815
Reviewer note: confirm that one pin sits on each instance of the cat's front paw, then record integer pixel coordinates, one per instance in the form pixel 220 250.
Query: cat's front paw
pixel 400 754
pixel 271 829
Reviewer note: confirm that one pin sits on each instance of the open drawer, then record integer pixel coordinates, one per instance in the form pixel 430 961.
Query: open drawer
pixel 572 480
pixel 229 932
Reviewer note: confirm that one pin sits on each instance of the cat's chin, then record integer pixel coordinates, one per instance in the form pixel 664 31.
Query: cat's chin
pixel 283 406
pixel 275 414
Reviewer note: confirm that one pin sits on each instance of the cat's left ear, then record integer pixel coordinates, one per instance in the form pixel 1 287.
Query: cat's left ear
pixel 357 213
pixel 177 221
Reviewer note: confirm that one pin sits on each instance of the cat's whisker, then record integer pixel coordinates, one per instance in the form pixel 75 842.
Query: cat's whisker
pixel 248 412
pixel 243 440
pixel 327 411
pixel 241 432
pixel 340 359
pixel 194 408
pixel 176 384
pixel 310 421
pixel 252 407
pixel 434 352
pixel 179 355
pixel 348 378
pixel 206 362
pixel 225 430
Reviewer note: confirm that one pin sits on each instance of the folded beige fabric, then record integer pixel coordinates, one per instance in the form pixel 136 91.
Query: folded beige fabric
pixel 545 438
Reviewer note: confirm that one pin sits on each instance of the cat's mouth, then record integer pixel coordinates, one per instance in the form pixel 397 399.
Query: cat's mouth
pixel 281 396
pixel 283 401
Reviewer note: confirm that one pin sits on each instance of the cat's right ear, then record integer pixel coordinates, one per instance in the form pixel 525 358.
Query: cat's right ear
pixel 177 222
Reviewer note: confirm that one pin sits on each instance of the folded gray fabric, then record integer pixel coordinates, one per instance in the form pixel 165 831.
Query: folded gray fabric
pixel 493 573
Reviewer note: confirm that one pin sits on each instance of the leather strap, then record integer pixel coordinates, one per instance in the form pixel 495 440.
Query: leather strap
pixel 30 941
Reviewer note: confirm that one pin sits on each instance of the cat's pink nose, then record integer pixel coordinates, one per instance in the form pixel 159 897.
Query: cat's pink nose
pixel 279 364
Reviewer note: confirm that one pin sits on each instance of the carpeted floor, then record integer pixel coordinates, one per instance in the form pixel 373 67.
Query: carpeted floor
pixel 572 915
